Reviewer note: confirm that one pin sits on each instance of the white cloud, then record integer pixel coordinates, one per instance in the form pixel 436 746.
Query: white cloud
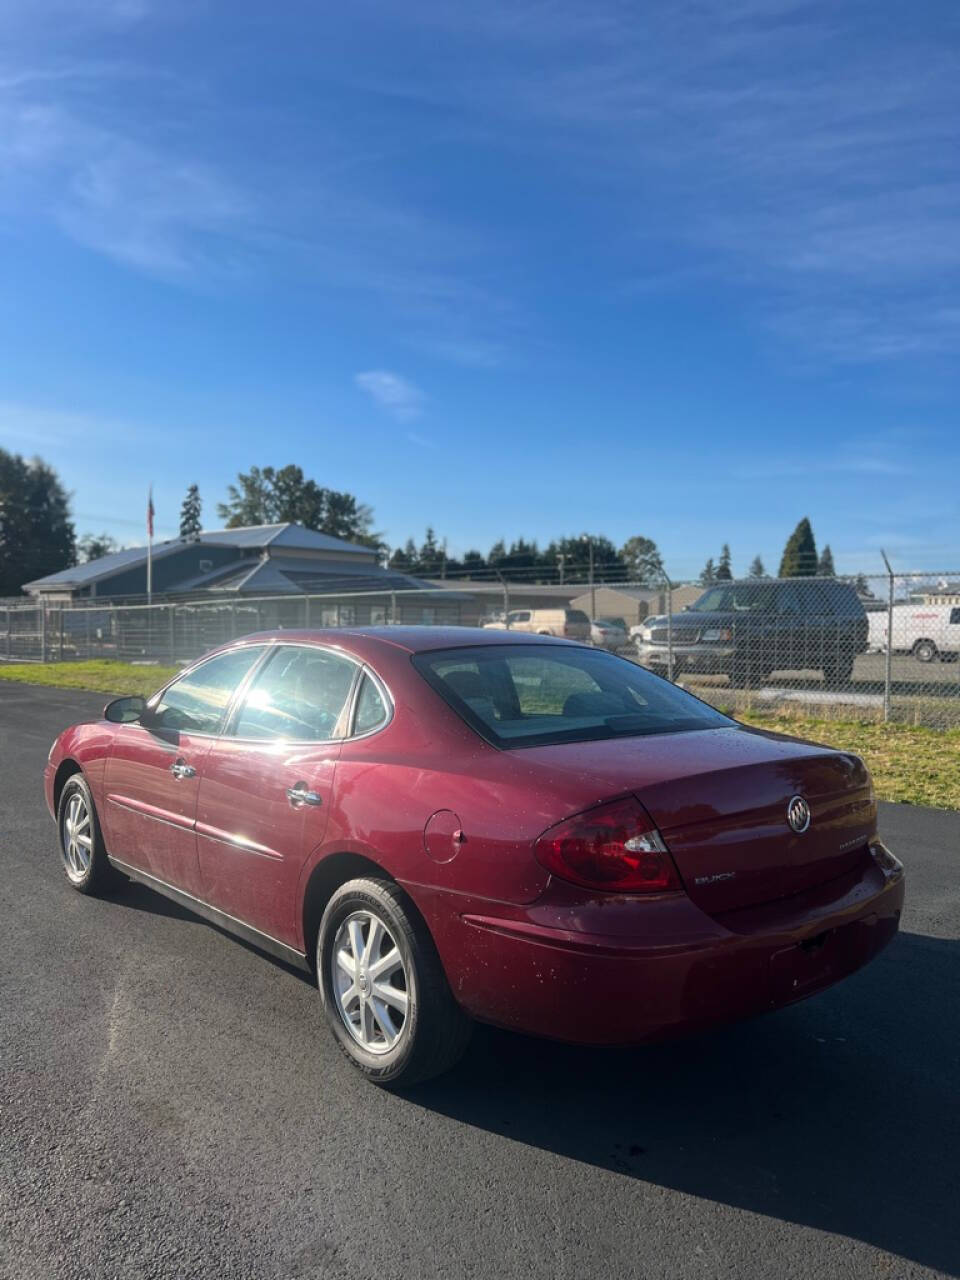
pixel 391 391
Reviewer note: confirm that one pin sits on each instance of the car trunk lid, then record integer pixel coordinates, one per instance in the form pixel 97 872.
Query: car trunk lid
pixel 720 800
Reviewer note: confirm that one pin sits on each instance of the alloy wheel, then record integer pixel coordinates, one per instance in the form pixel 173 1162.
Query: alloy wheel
pixel 77 838
pixel 370 982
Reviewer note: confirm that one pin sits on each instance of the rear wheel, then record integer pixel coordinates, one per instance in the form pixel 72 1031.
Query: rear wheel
pixel 925 651
pixel 838 671
pixel 81 841
pixel 383 988
pixel 744 675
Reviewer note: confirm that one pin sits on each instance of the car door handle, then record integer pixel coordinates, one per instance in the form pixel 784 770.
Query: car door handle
pixel 300 795
pixel 181 770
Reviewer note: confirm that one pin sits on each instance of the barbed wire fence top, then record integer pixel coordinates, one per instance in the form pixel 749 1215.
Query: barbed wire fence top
pixel 876 645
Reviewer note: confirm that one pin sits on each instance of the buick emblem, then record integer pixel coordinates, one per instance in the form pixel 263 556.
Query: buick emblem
pixel 798 814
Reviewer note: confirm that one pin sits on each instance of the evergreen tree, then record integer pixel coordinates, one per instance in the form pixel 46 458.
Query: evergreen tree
pixel 756 568
pixel 36 533
pixel 825 566
pixel 800 554
pixel 497 554
pixel 724 571
pixel 403 558
pixel 708 574
pixel 430 554
pixel 643 561
pixel 190 524
pixel 607 564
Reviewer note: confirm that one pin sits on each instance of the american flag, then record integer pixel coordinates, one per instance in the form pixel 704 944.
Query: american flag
pixel 150 513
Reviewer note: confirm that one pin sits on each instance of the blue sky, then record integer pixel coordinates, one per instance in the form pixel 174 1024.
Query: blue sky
pixel 688 269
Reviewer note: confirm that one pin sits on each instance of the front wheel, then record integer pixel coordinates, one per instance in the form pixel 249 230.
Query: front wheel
pixel 925 651
pixel 383 988
pixel 81 841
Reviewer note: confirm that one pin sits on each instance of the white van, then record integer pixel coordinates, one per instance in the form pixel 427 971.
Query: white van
pixel 570 623
pixel 928 631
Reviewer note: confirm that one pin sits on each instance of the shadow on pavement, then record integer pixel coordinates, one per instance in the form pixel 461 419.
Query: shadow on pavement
pixel 840 1113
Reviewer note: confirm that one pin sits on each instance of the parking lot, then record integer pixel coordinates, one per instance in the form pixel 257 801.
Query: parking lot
pixel 172 1105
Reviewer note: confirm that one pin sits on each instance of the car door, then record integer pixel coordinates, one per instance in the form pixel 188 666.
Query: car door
pixel 151 778
pixel 268 783
pixel 822 640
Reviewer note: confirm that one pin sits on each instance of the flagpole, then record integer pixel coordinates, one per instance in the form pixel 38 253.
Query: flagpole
pixel 150 546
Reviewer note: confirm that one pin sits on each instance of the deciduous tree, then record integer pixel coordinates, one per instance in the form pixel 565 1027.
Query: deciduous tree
pixel 36 532
pixel 94 546
pixel 643 561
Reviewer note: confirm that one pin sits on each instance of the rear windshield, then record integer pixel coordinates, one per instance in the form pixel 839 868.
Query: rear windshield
pixel 536 695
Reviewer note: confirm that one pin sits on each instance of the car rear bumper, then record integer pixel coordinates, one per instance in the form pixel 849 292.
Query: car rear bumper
pixel 617 970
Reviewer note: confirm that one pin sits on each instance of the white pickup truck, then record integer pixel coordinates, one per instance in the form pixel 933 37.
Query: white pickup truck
pixel 928 631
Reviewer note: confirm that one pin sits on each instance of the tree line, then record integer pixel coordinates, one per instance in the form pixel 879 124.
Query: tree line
pixel 37 535
pixel 799 560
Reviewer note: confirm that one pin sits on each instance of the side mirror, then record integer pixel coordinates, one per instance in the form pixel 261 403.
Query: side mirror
pixel 125 710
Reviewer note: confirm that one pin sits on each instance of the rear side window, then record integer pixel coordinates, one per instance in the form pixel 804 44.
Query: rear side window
pixel 371 710
pixel 844 600
pixel 197 701
pixel 299 695
pixel 577 615
pixel 526 696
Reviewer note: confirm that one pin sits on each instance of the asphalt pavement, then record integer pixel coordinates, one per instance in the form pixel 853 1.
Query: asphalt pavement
pixel 171 1105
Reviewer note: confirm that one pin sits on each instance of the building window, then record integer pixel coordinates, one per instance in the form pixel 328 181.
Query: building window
pixel 428 615
pixel 348 615
pixel 328 615
pixel 378 615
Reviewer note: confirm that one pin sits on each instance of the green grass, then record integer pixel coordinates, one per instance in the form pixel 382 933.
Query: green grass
pixel 910 764
pixel 99 675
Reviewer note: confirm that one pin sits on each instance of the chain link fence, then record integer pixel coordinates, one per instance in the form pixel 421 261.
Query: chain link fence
pixel 882 647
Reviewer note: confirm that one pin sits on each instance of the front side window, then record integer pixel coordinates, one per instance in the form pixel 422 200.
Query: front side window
pixel 955 617
pixel 526 696
pixel 197 701
pixel 299 695
pixel 743 598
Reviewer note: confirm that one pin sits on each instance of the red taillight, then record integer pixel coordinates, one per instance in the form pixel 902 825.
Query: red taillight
pixel 615 847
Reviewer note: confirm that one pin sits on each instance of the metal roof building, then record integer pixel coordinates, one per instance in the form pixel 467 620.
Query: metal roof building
pixel 260 560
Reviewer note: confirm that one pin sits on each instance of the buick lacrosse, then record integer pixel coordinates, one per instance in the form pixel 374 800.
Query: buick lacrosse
pixel 453 824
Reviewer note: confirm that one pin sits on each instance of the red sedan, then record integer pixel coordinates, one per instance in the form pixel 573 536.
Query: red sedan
pixel 456 824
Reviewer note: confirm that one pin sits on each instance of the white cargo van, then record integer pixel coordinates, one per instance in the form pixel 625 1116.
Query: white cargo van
pixel 928 631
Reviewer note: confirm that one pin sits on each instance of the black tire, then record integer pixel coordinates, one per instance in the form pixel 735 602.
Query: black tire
pixel 925 651
pixel 98 876
pixel 838 672
pixel 434 1031
pixel 742 676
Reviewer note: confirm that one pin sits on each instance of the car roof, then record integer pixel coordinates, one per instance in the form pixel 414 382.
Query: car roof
pixel 411 639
